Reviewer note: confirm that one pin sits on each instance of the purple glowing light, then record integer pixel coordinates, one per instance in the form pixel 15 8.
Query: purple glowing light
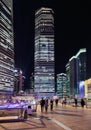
pixel 81 89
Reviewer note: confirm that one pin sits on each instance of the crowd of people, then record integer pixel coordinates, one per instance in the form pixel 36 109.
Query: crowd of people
pixel 48 103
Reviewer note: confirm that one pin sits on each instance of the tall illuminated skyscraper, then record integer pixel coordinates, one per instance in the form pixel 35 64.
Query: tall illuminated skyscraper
pixel 44 65
pixel 6 47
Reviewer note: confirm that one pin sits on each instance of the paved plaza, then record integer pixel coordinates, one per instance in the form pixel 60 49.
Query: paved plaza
pixel 62 118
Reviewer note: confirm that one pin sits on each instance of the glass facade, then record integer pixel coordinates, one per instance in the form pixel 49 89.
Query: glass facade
pixel 44 67
pixel 81 56
pixel 82 68
pixel 68 79
pixel 61 85
pixel 6 47
pixel 77 71
pixel 73 76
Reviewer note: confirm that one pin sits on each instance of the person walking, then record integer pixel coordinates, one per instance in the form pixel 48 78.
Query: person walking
pixel 75 102
pixel 82 103
pixel 46 105
pixel 42 104
pixel 56 102
pixel 63 102
pixel 51 104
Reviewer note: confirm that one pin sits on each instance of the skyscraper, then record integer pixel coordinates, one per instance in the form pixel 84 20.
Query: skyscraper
pixel 61 85
pixel 44 66
pixel 77 72
pixel 6 47
pixel 82 67
pixel 82 70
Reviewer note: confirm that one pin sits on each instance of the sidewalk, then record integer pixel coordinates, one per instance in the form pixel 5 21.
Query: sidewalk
pixel 69 118
pixel 62 118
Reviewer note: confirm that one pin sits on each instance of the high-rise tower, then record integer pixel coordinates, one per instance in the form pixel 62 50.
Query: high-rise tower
pixel 44 66
pixel 77 73
pixel 6 47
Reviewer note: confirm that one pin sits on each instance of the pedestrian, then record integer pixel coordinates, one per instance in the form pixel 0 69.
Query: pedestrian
pixel 75 102
pixel 56 102
pixel 42 104
pixel 64 101
pixel 46 105
pixel 82 103
pixel 51 104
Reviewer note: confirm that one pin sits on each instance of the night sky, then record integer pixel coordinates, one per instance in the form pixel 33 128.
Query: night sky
pixel 72 30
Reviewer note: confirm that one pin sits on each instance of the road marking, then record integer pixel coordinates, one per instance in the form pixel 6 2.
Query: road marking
pixel 37 118
pixel 57 122
pixel 61 124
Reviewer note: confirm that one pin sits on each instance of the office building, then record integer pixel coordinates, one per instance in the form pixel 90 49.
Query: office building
pixel 77 73
pixel 82 71
pixel 73 62
pixel 61 85
pixel 6 48
pixel 68 93
pixel 44 65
